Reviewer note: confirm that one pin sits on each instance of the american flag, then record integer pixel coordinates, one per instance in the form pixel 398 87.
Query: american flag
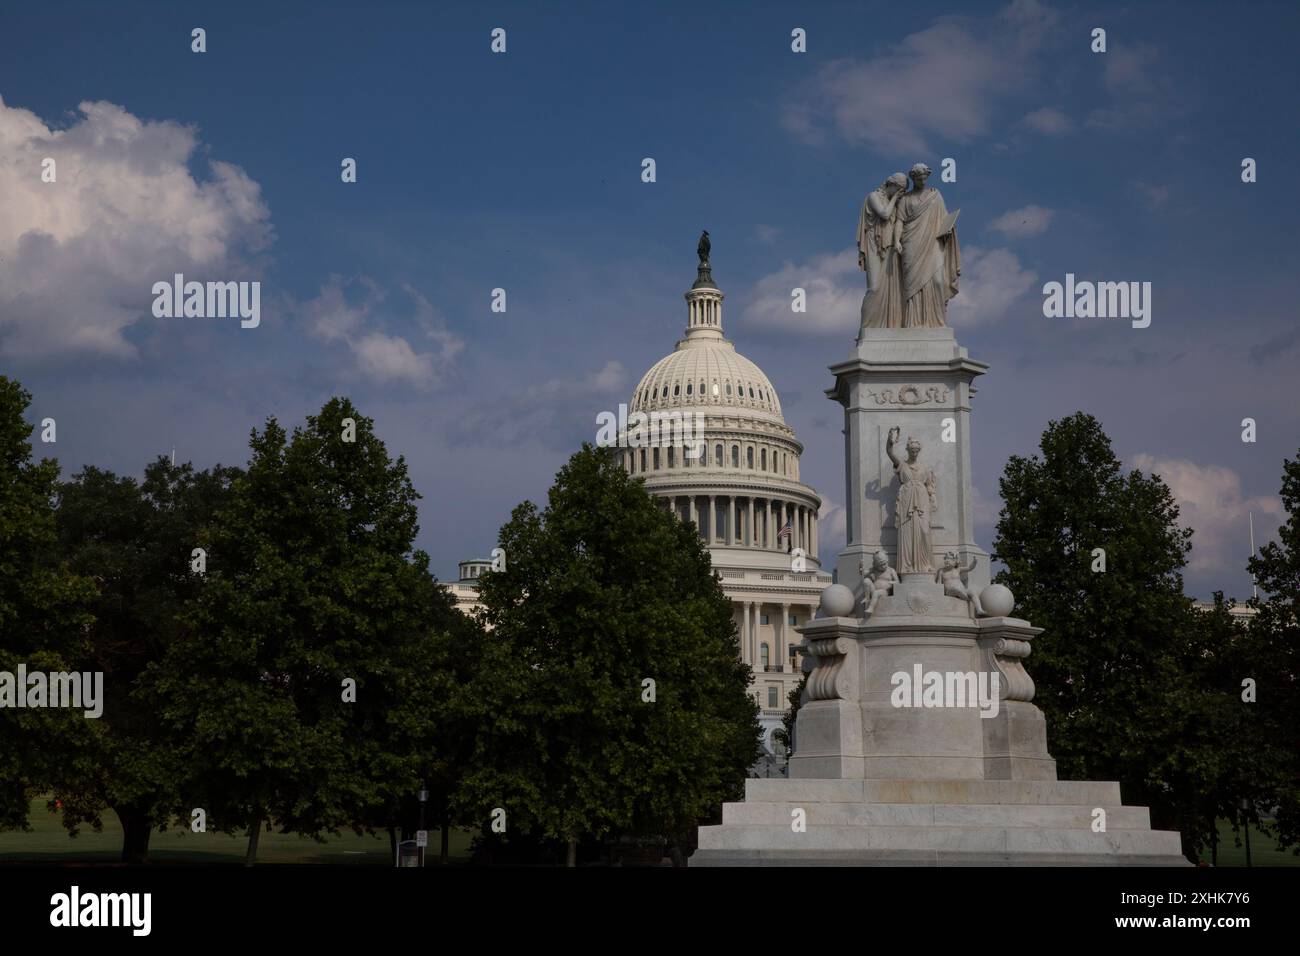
pixel 785 532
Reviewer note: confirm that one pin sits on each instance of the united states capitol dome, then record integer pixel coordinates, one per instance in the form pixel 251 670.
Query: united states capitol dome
pixel 705 370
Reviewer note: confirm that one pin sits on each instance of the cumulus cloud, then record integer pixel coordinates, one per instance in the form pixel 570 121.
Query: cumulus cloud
pixel 1153 195
pixel 942 81
pixel 79 256
pixel 1143 95
pixel 558 413
pixel 1049 121
pixel 992 280
pixel 1211 502
pixel 833 284
pixel 832 526
pixel 348 312
pixel 1024 222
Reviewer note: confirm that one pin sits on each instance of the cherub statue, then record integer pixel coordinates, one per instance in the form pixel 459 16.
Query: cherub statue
pixel 955 584
pixel 880 580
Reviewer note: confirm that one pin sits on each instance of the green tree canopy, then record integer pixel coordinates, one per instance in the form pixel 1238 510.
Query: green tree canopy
pixel 1114 667
pixel 603 591
pixel 1271 657
pixel 312 581
pixel 134 540
pixel 43 615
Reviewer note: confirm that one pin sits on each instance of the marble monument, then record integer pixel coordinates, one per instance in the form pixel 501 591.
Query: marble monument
pixel 922 776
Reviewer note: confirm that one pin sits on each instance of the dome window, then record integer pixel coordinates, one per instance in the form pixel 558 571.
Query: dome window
pixel 717 455
pixel 762 459
pixel 751 391
pixel 749 457
pixel 735 456
pixel 715 389
pixel 728 390
pixel 665 392
pixel 677 390
pixel 688 388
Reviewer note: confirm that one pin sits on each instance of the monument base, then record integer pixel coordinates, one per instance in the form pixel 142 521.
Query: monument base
pixel 917 744
pixel 934 823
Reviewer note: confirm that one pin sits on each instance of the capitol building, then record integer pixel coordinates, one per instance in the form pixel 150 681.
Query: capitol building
pixel 741 490
pixel 739 486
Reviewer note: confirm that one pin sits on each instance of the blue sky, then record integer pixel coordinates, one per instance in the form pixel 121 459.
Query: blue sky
pixel 522 171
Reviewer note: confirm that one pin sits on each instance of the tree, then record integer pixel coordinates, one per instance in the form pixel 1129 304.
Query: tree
pixel 786 735
pixel 307 675
pixel 611 699
pixel 1112 667
pixel 1271 658
pixel 134 540
pixel 43 615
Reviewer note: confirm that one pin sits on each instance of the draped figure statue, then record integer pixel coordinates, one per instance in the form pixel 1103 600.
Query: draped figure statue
pixel 907 245
pixel 915 504
pixel 878 245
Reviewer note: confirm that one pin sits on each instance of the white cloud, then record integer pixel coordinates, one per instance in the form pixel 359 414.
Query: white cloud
pixel 1049 121
pixel 942 81
pixel 834 286
pixel 391 358
pixel 832 526
pixel 766 233
pixel 1024 222
pixel 992 280
pixel 79 256
pixel 1153 195
pixel 1211 502
pixel 334 316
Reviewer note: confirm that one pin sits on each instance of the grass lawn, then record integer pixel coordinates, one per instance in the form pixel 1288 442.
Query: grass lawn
pixel 1263 849
pixel 48 842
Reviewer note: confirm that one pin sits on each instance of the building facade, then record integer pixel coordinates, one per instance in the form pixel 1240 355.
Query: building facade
pixel 738 483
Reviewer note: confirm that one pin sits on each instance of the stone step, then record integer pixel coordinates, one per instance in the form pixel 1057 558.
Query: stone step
pixel 1089 793
pixel 987 841
pixel 1049 816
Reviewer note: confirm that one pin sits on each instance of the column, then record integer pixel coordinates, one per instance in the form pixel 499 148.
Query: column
pixel 784 639
pixel 751 535
pixel 691 512
pixel 815 529
pixel 747 634
pixel 713 518
pixel 729 527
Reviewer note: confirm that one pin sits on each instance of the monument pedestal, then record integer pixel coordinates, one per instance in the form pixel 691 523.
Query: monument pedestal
pixel 951 771
pixel 920 381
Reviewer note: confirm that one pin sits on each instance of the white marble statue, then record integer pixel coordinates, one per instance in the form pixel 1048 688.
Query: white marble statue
pixel 878 245
pixel 955 584
pixel 876 583
pixel 907 245
pixel 915 504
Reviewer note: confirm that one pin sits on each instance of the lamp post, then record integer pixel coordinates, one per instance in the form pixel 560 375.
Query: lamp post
pixel 424 798
pixel 1245 805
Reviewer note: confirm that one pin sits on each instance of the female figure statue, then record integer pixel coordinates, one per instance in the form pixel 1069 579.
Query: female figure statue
pixel 879 242
pixel 931 258
pixel 916 502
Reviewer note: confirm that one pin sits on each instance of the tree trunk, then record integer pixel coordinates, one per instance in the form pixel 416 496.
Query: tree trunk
pixel 571 858
pixel 392 843
pixel 136 830
pixel 254 836
pixel 444 849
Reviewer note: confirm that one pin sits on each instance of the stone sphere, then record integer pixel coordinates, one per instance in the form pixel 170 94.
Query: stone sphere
pixel 838 601
pixel 997 600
